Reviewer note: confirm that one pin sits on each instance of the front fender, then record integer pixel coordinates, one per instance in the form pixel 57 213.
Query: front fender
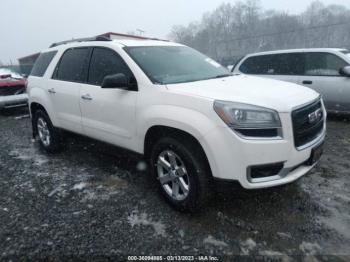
pixel 193 122
pixel 188 120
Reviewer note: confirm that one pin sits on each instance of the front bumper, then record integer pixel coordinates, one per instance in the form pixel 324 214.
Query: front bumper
pixel 231 156
pixel 13 101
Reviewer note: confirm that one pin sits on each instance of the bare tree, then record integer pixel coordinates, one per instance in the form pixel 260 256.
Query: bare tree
pixel 232 30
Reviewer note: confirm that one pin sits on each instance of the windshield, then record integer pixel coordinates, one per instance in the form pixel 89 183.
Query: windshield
pixel 175 64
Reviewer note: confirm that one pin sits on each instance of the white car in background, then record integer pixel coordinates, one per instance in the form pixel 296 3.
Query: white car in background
pixel 326 70
pixel 189 116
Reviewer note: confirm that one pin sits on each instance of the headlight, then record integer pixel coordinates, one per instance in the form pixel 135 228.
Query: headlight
pixel 249 120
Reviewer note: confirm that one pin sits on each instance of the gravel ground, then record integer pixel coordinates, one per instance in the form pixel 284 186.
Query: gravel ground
pixel 96 201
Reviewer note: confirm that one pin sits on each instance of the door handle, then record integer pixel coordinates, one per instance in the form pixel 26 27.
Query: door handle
pixel 86 97
pixel 307 82
pixel 52 91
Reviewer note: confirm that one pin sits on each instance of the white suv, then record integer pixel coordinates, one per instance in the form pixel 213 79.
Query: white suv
pixel 192 119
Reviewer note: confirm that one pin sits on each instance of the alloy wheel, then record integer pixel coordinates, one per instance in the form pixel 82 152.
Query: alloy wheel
pixel 43 131
pixel 173 176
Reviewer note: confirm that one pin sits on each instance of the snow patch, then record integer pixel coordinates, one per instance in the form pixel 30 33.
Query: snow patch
pixel 21 155
pixel 134 219
pixel 309 248
pixel 29 154
pixel 79 186
pixel 21 117
pixel 212 241
pixel 58 189
pixel 89 195
pixel 275 254
pixel 284 235
pixel 247 246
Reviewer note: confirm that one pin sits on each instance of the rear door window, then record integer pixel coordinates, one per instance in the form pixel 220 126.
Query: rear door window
pixel 106 62
pixel 73 65
pixel 42 63
pixel 323 64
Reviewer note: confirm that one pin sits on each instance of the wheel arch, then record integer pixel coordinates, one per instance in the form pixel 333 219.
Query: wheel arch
pixel 35 104
pixel 155 132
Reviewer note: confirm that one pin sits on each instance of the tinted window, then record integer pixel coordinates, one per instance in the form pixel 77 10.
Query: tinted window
pixel 279 64
pixel 323 64
pixel 73 65
pixel 289 64
pixel 106 62
pixel 42 63
pixel 255 65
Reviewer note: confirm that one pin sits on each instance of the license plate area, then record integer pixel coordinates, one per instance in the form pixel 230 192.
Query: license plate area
pixel 316 154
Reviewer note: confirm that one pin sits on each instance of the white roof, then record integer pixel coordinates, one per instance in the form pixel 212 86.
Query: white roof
pixel 299 51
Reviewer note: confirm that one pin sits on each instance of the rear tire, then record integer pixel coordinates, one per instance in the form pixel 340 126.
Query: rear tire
pixel 50 138
pixel 182 173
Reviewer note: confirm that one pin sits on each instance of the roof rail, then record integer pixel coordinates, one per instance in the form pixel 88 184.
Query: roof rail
pixel 86 39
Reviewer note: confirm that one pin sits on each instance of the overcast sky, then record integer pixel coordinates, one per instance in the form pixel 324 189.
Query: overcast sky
pixel 28 26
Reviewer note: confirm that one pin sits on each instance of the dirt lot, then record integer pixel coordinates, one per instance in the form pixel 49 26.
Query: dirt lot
pixel 92 200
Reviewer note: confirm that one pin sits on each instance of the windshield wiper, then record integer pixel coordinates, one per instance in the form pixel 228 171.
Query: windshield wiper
pixel 223 75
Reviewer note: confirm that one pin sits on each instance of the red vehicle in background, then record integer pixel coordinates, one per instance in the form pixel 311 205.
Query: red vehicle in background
pixel 12 90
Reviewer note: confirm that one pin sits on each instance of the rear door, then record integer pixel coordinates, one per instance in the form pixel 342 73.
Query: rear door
pixel 322 74
pixel 64 87
pixel 285 67
pixel 108 114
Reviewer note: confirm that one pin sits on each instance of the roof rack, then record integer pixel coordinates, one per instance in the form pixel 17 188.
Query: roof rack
pixel 86 39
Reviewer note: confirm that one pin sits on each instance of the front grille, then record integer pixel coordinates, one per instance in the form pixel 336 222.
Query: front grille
pixel 12 90
pixel 308 123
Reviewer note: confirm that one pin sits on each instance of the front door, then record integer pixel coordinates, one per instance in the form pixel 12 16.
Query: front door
pixel 108 114
pixel 322 75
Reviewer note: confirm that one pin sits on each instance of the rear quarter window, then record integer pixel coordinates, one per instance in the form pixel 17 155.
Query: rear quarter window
pixel 42 63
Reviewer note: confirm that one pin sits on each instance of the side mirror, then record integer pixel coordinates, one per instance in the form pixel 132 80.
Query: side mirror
pixel 345 71
pixel 115 81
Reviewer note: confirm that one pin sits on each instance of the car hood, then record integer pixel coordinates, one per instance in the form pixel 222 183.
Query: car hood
pixel 12 82
pixel 277 95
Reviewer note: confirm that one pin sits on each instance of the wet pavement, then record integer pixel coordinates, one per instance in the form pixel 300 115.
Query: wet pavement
pixel 93 200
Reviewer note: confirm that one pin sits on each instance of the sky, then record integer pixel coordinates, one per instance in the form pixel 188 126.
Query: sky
pixel 29 26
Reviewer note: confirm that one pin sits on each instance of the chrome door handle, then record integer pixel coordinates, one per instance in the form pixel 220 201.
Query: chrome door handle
pixel 86 97
pixel 51 91
pixel 307 82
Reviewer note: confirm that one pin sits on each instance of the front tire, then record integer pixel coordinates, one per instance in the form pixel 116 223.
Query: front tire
pixel 182 173
pixel 50 138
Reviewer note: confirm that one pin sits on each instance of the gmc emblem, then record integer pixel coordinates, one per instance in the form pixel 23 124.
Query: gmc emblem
pixel 315 116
